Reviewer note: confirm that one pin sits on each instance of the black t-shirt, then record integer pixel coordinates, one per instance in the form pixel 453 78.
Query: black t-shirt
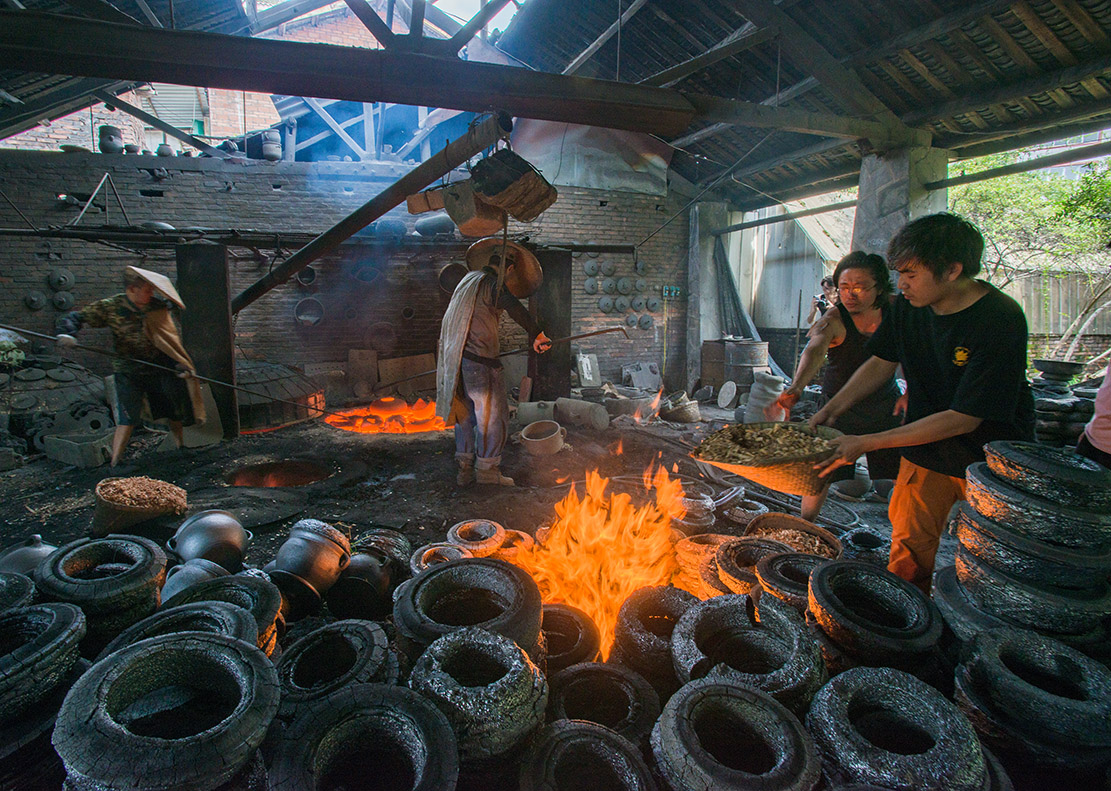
pixel 973 362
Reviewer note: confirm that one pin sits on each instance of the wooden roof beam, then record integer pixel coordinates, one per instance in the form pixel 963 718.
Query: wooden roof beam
pixel 804 51
pixel 738 41
pixel 713 108
pixel 284 12
pixel 372 22
pixel 53 44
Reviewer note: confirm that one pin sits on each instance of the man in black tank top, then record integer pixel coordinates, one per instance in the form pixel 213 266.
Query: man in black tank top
pixel 840 337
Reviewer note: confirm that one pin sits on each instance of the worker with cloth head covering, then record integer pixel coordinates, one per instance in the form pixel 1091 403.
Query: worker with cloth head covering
pixel 470 386
pixel 143 330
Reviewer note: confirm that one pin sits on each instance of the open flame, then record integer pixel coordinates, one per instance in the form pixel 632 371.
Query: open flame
pixel 602 547
pixel 389 416
pixel 644 414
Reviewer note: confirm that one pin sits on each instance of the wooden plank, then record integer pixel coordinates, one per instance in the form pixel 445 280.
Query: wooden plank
pixel 1009 45
pixel 362 371
pixel 397 368
pixel 738 41
pixel 206 327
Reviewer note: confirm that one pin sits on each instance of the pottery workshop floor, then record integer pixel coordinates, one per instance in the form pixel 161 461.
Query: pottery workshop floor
pixel 406 482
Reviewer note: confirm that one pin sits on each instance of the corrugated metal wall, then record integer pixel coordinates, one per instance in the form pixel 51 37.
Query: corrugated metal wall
pixel 1052 301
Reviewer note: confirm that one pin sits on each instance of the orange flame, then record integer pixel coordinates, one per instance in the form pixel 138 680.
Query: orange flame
pixel 389 416
pixel 602 548
pixel 620 448
pixel 650 411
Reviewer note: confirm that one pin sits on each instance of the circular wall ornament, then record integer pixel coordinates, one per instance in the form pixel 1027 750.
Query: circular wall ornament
pixel 590 285
pixel 605 304
pixel 590 267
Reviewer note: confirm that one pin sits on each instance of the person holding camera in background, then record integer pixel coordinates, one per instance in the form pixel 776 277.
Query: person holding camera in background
pixel 820 303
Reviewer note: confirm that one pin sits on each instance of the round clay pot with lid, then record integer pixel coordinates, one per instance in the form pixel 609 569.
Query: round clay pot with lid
pixel 315 552
pixel 25 557
pixel 110 140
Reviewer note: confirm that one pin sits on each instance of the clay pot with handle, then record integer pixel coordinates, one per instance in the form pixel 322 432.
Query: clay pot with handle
pixel 315 552
pixel 212 535
pixel 188 574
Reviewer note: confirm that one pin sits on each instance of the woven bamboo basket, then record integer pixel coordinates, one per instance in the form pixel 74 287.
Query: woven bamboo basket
pixel 110 517
pixel 764 524
pixel 787 474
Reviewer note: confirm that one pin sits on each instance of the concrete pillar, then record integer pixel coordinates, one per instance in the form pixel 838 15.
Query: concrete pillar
pixel 703 313
pixel 891 194
pixel 206 322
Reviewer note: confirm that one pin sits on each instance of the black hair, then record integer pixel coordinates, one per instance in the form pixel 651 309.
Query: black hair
pixel 828 281
pixel 935 242
pixel 872 264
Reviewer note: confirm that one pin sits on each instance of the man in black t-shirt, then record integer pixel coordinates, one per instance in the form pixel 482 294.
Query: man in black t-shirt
pixel 962 345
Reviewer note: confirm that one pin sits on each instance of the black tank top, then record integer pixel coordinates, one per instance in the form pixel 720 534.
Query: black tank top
pixel 873 412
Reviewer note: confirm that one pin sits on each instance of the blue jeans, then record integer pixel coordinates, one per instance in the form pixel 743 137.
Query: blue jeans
pixel 482 433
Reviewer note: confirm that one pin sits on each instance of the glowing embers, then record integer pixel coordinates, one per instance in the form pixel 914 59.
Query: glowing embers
pixel 278 473
pixel 602 547
pixel 389 416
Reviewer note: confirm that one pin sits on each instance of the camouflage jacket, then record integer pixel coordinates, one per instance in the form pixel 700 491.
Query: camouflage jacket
pixel 125 320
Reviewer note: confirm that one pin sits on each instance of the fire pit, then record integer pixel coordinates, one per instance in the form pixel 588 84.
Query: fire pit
pixel 278 473
pixel 389 416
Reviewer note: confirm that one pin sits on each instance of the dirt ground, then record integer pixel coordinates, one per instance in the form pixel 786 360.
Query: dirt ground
pixel 405 482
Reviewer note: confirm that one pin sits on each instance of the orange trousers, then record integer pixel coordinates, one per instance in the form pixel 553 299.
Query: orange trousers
pixel 919 505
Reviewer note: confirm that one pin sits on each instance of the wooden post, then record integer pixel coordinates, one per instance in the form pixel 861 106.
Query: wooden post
pixel 553 313
pixel 206 322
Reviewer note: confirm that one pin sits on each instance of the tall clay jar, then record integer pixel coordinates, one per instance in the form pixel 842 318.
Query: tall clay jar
pixel 271 145
pixel 316 552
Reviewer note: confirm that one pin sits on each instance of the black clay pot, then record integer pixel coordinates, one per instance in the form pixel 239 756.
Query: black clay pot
pixel 362 590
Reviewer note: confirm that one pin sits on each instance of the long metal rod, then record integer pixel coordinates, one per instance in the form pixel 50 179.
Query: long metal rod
pixel 17 211
pixel 847 204
pixel 92 197
pixel 482 135
pixel 1062 158
pixel 198 377
pixel 522 350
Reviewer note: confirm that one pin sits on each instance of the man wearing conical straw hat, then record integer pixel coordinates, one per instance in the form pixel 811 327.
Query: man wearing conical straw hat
pixel 470 387
pixel 143 329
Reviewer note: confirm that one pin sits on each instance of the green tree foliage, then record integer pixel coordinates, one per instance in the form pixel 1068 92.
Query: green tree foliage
pixel 1090 201
pixel 1021 215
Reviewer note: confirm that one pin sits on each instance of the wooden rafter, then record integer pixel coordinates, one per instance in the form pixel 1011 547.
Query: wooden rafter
pixel 372 22
pixel 803 50
pixel 341 133
pixel 738 41
pixel 1082 21
pixel 577 62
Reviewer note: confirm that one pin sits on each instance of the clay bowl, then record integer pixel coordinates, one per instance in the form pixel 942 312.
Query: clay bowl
pixel 1059 369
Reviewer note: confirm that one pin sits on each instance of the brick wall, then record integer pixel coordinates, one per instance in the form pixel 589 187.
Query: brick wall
pixel 79 129
pixel 285 197
pixel 341 28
